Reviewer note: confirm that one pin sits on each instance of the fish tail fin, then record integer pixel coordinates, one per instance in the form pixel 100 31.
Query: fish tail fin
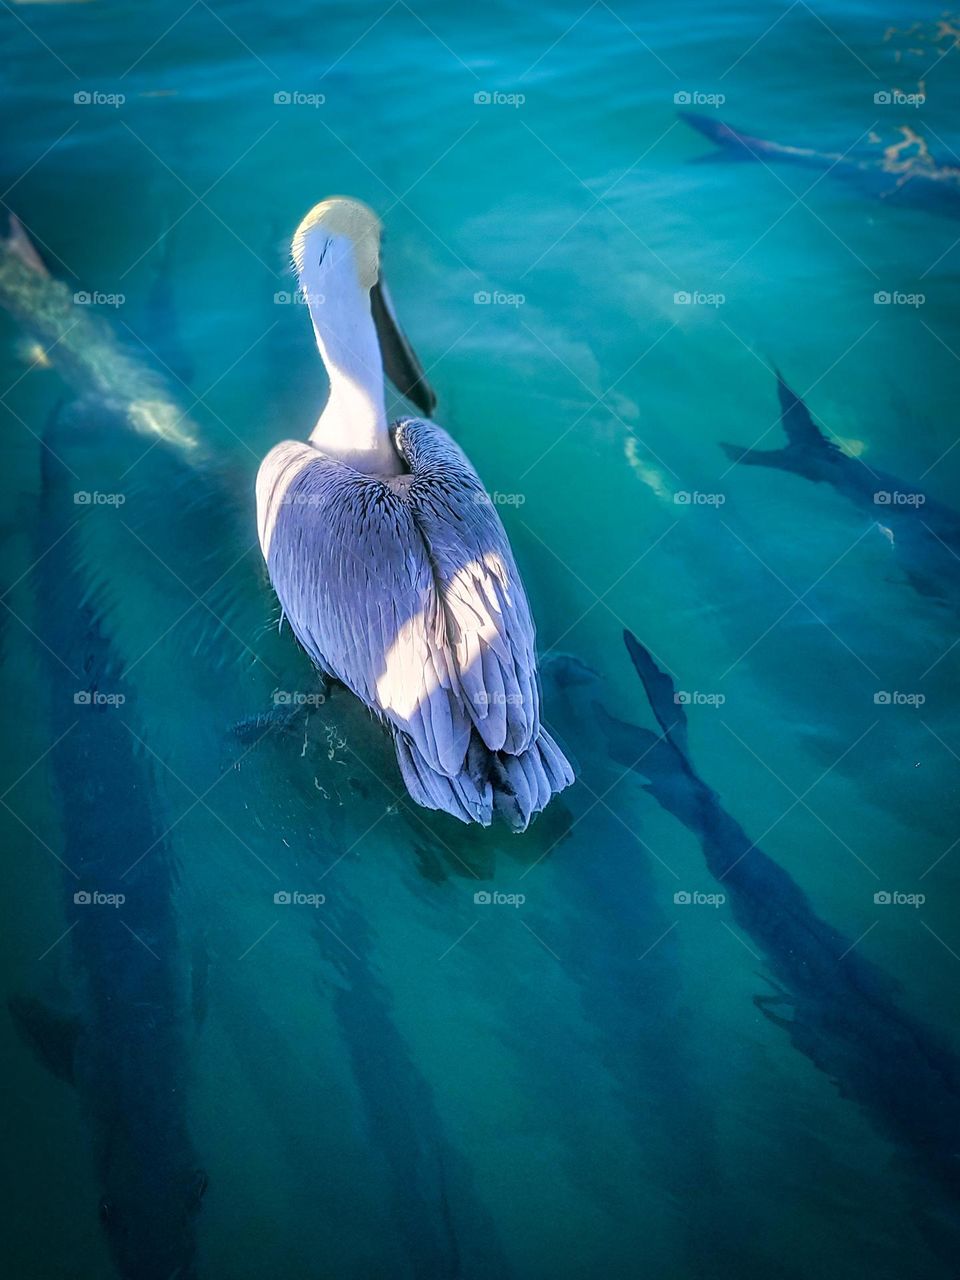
pixel 666 703
pixel 805 440
pixel 662 758
pixel 798 425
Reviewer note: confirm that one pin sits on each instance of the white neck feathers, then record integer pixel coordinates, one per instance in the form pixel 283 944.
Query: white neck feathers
pixel 353 424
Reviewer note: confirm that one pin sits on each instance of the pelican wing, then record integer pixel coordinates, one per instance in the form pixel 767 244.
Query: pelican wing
pixel 489 628
pixel 355 581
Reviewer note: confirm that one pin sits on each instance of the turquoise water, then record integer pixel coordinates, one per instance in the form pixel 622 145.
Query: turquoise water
pixel 403 1081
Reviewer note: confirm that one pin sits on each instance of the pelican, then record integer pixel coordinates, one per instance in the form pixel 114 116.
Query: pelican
pixel 390 561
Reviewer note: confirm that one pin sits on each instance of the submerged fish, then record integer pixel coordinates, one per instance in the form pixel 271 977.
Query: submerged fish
pixel 126 1043
pixel 840 1011
pixel 85 349
pixel 904 172
pixel 924 533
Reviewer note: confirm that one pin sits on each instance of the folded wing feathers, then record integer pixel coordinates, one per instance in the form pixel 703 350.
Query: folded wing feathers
pixel 459 796
pixel 555 763
pixel 426 620
pixel 483 598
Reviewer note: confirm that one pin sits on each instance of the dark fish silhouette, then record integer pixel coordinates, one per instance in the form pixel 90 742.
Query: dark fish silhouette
pixel 903 173
pixel 925 534
pixel 441 1227
pixel 839 1010
pixel 126 1042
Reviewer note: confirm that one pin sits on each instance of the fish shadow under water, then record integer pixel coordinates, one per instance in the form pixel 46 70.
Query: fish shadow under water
pixel 843 1013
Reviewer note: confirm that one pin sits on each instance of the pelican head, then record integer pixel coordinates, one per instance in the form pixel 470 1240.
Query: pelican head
pixel 336 252
pixel 350 228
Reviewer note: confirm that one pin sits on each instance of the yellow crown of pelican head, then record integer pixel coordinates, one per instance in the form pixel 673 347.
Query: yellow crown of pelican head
pixel 343 217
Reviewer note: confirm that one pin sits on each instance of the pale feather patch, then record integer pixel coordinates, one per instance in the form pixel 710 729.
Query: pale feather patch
pixel 277 472
pixel 342 216
pixel 396 691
